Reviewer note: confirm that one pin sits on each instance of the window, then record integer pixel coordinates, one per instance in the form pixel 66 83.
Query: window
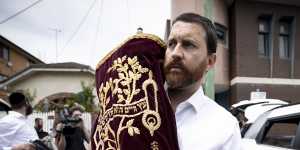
pixel 2 77
pixel 221 32
pixel 285 37
pixel 264 30
pixel 4 52
pixel 281 133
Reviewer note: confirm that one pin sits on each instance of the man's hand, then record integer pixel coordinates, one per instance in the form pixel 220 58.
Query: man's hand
pixel 59 127
pixel 27 146
pixel 80 124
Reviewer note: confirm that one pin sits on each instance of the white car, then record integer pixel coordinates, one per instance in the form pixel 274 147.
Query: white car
pixel 254 108
pixel 275 129
pixel 247 111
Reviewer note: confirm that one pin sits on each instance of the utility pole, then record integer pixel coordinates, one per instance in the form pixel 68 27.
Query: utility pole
pixel 56 30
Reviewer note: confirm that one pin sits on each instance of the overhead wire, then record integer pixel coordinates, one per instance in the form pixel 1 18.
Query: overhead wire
pixel 20 12
pixel 79 26
pixel 96 36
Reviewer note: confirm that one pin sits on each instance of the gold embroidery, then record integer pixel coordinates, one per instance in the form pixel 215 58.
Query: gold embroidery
pixel 151 120
pixel 136 36
pixel 154 145
pixel 124 89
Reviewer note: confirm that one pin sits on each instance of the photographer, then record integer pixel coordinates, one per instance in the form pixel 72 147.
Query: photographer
pixel 71 131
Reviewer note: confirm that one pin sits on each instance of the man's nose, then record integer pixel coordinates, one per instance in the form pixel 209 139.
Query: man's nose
pixel 177 53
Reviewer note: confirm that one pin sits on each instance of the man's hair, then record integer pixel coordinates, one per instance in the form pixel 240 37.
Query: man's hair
pixel 211 37
pixel 37 119
pixel 77 107
pixel 17 100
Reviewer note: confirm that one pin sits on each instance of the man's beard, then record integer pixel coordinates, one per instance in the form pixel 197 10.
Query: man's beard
pixel 185 77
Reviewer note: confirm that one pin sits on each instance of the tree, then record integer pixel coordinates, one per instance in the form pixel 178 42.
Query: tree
pixel 30 95
pixel 85 97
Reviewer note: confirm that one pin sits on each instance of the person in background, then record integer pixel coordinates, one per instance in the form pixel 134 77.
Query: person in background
pixel 72 134
pixel 14 128
pixel 191 51
pixel 38 125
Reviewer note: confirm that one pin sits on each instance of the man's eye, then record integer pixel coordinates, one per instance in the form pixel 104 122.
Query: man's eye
pixel 187 44
pixel 171 44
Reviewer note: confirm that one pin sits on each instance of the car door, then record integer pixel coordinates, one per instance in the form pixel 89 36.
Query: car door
pixel 280 132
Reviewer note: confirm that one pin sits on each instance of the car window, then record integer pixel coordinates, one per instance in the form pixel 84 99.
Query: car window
pixel 281 133
pixel 256 127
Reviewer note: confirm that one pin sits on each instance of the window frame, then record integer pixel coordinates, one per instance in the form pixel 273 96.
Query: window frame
pixel 267 36
pixel 268 124
pixel 4 48
pixel 221 28
pixel 3 77
pixel 286 53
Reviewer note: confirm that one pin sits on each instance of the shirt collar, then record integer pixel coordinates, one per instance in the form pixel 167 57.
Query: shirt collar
pixel 17 114
pixel 197 99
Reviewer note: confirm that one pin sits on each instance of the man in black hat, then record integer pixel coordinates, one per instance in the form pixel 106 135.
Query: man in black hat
pixel 14 128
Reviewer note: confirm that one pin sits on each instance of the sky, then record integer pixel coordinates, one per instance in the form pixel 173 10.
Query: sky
pixel 83 30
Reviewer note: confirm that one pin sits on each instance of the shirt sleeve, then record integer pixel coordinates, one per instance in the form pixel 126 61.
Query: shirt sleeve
pixel 26 134
pixel 8 129
pixel 234 141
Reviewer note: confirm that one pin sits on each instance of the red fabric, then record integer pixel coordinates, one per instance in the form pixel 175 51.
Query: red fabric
pixel 130 117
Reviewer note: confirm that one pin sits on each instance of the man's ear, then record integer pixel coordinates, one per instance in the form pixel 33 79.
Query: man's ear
pixel 211 60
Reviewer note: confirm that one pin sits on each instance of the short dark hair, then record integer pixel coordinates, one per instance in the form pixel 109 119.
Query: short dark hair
pixel 17 100
pixel 77 107
pixel 37 119
pixel 211 37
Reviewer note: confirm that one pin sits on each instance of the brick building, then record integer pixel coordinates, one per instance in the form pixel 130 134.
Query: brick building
pixel 13 58
pixel 257 46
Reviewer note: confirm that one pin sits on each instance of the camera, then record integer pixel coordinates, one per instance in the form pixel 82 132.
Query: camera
pixel 69 122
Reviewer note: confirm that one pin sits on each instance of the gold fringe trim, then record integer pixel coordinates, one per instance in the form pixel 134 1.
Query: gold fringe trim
pixel 136 36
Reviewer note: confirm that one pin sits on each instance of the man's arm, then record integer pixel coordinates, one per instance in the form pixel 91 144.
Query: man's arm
pixel 85 132
pixel 27 146
pixel 60 140
pixel 235 140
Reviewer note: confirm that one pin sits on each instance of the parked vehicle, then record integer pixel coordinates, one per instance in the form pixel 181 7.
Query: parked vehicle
pixel 247 111
pixel 277 128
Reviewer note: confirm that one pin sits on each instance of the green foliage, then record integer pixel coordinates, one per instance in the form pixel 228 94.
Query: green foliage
pixel 85 97
pixel 30 95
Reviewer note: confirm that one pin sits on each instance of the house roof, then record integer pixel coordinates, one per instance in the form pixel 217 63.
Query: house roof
pixel 20 50
pixel 53 67
pixel 66 65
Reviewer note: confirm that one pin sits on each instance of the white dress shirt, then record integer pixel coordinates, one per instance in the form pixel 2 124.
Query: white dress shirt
pixel 14 129
pixel 204 125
